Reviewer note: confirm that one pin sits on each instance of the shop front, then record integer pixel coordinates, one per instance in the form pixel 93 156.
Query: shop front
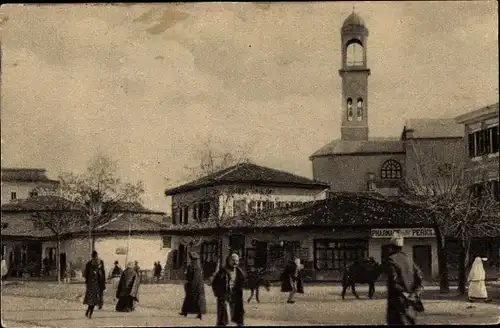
pixel 420 244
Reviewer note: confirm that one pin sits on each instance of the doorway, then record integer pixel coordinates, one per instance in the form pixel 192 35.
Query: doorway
pixel 422 256
pixel 62 262
pixel 260 254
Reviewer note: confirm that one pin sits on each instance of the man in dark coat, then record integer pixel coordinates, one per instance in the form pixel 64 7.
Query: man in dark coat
pixel 227 286
pixel 404 283
pixel 194 301
pixel 291 280
pixel 95 283
pixel 127 290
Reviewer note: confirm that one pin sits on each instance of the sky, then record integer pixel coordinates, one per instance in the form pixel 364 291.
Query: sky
pixel 149 85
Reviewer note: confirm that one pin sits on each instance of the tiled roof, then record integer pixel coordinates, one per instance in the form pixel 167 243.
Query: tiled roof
pixel 248 173
pixel 424 128
pixel 478 114
pixel 344 147
pixel 138 222
pixel 18 225
pixel 56 203
pixel 341 209
pixel 25 175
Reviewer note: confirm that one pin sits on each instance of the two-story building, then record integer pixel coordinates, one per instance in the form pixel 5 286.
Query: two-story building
pixel 481 147
pixel 22 183
pixel 234 191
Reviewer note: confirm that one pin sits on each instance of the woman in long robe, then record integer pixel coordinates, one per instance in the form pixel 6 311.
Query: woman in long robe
pixel 95 283
pixel 194 301
pixel 127 290
pixel 476 279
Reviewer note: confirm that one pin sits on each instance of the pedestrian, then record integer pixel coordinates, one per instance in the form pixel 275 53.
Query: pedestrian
pixel 115 275
pixel 227 285
pixel 291 280
pixel 476 280
pixel 4 268
pixel 194 300
pixel 404 285
pixel 157 272
pixel 45 267
pixel 95 283
pixel 67 273
pixel 128 288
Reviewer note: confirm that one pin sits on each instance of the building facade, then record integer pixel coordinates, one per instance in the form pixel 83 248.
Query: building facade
pixel 22 183
pixel 377 164
pixel 241 189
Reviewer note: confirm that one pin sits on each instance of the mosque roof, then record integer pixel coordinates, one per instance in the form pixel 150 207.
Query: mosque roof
pixel 353 19
pixel 373 146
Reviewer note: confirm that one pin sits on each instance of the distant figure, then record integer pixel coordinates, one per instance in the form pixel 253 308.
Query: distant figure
pixel 95 282
pixel 46 267
pixel 115 275
pixel 227 285
pixel 4 268
pixel 476 280
pixel 157 272
pixel 136 266
pixel 67 273
pixel 128 288
pixel 194 301
pixel 291 280
pixel 404 284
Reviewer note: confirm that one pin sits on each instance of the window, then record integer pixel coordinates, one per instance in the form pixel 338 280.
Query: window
pixel 354 53
pixel 337 254
pixel 483 142
pixel 209 252
pixel 256 206
pixel 349 109
pixel 201 211
pixel 184 215
pixel 13 195
pixel 493 188
pixel 33 193
pixel 176 218
pixel 166 242
pixel 240 207
pixel 359 109
pixel 391 169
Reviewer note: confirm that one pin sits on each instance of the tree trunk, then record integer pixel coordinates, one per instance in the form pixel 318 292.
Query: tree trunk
pixel 444 285
pixel 58 259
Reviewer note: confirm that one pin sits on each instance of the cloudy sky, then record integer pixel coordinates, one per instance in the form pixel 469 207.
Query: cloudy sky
pixel 149 84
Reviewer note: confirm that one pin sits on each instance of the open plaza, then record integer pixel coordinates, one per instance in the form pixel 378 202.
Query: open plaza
pixel 45 304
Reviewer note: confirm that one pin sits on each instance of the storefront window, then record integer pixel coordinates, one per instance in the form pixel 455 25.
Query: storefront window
pixel 336 255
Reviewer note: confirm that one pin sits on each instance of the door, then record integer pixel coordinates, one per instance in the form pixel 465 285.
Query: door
pixel 62 261
pixel 261 254
pixel 422 256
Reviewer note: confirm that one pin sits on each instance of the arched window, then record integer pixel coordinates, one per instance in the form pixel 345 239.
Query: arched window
pixel 359 109
pixel 391 169
pixel 354 53
pixel 349 109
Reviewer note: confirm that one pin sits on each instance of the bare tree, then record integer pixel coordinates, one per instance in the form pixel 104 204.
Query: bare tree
pixel 102 195
pixel 442 184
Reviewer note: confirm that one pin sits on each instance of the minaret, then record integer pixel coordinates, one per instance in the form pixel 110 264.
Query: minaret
pixel 354 74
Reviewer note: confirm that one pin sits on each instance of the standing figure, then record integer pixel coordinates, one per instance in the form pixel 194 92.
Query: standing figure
pixel 194 301
pixel 291 280
pixel 404 284
pixel 157 272
pixel 115 275
pixel 4 269
pixel 46 267
pixel 128 288
pixel 67 272
pixel 95 282
pixel 476 280
pixel 227 285
pixel 255 279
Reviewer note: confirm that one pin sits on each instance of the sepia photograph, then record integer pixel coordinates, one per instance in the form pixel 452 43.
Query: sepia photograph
pixel 250 164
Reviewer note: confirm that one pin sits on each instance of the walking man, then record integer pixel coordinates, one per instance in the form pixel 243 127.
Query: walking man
pixel 404 285
pixel 291 280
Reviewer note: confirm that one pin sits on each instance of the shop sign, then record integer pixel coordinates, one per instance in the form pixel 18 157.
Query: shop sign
pixel 121 251
pixel 407 232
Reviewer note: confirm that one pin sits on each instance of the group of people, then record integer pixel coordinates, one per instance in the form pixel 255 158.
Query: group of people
pixel 227 285
pixel 126 282
pixel 404 286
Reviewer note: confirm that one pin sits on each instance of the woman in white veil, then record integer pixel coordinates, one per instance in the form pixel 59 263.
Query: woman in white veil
pixel 476 280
